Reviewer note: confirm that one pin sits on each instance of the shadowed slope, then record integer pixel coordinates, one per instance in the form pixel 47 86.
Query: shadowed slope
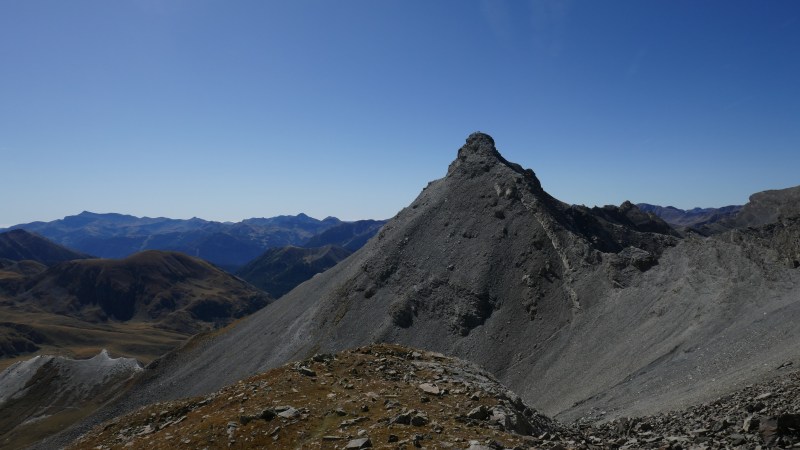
pixel 177 291
pixel 279 270
pixel 19 245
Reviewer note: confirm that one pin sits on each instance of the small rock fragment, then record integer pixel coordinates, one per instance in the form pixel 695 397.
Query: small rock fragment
pixel 359 443
pixel 429 388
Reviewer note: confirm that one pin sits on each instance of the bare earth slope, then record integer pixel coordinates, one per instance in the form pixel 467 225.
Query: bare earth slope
pixel 593 313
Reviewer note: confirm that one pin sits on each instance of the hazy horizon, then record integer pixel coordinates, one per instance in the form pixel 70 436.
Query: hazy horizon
pixel 227 111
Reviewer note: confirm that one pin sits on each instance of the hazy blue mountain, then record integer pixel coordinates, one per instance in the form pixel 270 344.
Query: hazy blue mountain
pixel 350 235
pixel 690 217
pixel 226 244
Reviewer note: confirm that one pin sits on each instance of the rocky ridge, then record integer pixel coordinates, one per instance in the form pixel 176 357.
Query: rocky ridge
pixel 393 397
pixel 587 313
pixel 382 396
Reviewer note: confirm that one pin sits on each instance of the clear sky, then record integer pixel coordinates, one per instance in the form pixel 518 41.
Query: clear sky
pixel 233 109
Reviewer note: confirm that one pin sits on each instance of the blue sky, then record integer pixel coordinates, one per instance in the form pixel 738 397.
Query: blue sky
pixel 233 109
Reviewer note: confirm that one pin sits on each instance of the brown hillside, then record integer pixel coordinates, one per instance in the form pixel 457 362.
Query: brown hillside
pixel 173 290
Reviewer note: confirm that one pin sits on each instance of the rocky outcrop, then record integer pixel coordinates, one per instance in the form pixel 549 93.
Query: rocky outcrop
pixel 371 396
pixel 387 394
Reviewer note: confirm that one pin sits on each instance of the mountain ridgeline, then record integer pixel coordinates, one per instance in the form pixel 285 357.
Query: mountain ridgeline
pixel 690 218
pixel 227 245
pixel 762 208
pixel 586 313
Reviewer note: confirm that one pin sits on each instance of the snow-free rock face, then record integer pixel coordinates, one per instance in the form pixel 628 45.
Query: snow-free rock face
pixel 584 312
pixel 484 264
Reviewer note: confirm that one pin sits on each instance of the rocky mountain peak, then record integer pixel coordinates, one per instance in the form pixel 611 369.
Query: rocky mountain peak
pixel 481 140
pixel 479 156
pixel 478 149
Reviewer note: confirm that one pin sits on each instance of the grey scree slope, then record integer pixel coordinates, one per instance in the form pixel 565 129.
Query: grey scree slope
pixel 577 310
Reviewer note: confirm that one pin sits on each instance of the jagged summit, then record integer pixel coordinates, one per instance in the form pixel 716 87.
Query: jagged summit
pixel 577 309
pixel 479 154
pixel 480 253
pixel 481 142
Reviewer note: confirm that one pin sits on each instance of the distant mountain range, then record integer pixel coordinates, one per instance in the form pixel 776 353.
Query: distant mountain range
pixel 41 281
pixel 225 244
pixel 763 208
pixel 689 218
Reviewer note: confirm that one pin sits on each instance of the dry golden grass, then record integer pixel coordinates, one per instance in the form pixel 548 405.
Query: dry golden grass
pixel 67 336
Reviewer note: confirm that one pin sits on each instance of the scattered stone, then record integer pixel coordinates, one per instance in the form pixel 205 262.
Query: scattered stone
pixel 307 372
pixel 479 413
pixel 737 439
pixel 403 418
pixel 764 396
pixel 419 420
pixel 750 424
pixel 359 443
pixel 288 412
pixel 429 388
pixel 350 422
